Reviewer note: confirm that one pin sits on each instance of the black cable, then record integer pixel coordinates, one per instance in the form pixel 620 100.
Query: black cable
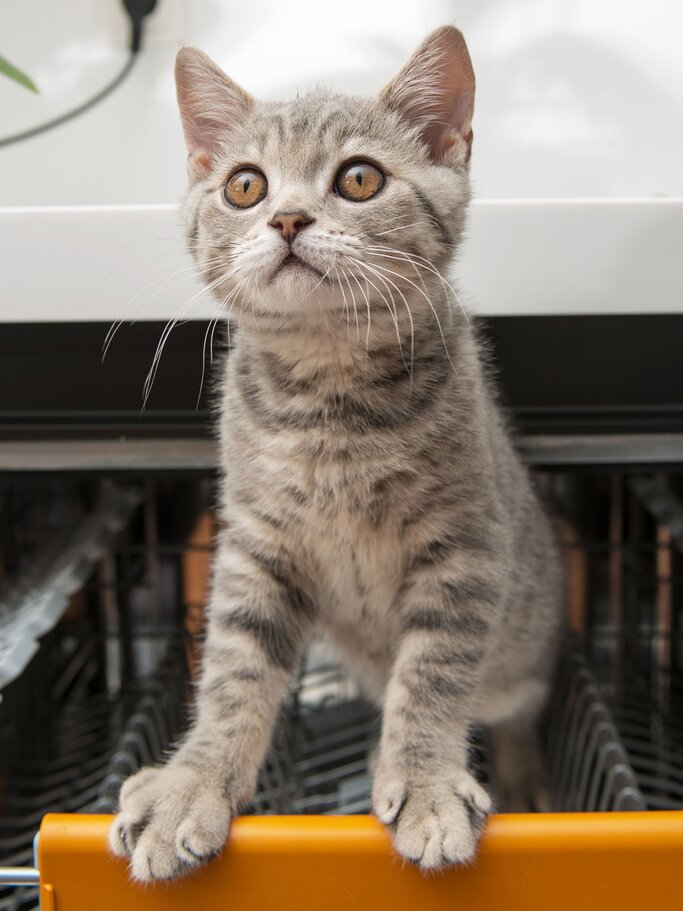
pixel 75 112
pixel 137 10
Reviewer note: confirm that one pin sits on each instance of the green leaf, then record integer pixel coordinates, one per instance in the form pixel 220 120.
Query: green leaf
pixel 7 69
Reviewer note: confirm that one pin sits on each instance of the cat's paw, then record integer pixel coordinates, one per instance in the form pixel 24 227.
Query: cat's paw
pixel 434 823
pixel 170 820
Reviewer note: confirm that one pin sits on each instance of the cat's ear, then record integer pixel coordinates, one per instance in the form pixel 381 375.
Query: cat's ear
pixel 211 107
pixel 435 92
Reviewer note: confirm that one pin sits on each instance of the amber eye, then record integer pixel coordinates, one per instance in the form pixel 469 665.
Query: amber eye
pixel 359 181
pixel 246 188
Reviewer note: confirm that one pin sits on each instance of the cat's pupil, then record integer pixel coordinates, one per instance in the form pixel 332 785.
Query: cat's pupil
pixel 359 177
pixel 247 184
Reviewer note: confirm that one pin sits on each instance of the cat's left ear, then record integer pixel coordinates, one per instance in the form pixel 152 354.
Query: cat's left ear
pixel 435 92
pixel 212 107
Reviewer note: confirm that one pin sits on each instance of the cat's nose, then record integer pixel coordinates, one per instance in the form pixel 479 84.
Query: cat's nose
pixel 290 223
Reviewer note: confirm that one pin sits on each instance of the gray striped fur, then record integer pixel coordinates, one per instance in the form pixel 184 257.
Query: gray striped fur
pixel 371 491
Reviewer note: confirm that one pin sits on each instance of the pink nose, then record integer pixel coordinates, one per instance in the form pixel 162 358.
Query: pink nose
pixel 290 223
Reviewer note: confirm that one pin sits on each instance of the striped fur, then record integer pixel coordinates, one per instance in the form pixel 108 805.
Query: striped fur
pixel 371 491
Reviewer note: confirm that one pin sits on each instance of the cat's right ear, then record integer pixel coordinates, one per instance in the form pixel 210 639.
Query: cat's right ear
pixel 211 106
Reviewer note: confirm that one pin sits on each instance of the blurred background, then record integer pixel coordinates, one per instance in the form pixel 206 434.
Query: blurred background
pixel 572 264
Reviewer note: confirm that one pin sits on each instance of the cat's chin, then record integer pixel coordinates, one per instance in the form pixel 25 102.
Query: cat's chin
pixel 294 267
pixel 295 276
pixel 300 292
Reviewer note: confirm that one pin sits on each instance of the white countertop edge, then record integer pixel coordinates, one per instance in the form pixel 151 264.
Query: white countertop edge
pixel 520 256
pixel 475 203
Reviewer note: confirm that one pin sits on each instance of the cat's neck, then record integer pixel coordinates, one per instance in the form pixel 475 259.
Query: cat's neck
pixel 346 349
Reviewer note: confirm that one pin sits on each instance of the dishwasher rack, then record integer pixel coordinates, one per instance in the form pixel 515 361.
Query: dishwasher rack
pixel 108 688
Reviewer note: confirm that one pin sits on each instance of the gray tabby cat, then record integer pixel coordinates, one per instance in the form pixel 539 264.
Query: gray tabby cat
pixel 371 489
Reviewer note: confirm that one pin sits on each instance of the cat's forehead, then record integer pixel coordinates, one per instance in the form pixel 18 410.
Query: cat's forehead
pixel 316 115
pixel 320 128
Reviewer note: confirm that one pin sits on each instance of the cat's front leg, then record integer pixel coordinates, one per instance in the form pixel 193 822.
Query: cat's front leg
pixel 176 817
pixel 423 790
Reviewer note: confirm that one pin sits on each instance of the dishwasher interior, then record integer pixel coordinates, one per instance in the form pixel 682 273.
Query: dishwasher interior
pixel 102 586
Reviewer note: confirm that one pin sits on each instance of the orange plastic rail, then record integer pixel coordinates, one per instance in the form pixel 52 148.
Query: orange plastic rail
pixel 563 862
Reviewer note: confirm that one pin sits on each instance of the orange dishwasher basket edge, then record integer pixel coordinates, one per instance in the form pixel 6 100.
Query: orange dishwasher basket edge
pixel 553 862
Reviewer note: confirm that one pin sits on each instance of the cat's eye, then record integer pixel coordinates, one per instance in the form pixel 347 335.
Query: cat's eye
pixel 246 188
pixel 359 181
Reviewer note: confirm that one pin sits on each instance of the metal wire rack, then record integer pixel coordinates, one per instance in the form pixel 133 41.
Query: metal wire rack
pixel 108 686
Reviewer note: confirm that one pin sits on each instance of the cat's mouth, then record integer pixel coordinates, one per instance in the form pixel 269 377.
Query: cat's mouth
pixel 292 264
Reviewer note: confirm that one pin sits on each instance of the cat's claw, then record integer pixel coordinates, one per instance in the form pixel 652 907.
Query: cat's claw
pixel 435 824
pixel 170 821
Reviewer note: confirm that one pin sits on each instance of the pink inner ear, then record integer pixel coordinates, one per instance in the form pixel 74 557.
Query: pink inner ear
pixel 450 125
pixel 452 90
pixel 458 83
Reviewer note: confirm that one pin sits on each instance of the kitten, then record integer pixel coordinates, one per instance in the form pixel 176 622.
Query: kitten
pixel 371 490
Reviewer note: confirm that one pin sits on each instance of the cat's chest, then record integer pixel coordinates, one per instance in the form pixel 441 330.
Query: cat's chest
pixel 357 571
pixel 347 535
pixel 340 495
pixel 356 577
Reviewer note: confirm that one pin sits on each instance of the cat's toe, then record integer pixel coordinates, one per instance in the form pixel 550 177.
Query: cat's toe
pixel 124 834
pixel 388 798
pixel 204 831
pixel 477 798
pixel 156 859
pixel 138 796
pixel 118 837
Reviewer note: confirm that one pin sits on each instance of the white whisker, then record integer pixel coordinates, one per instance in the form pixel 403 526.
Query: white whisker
pixel 211 323
pixel 163 283
pixel 367 304
pixel 413 224
pixel 346 305
pixel 386 270
pixel 425 264
pixel 393 313
pixel 149 380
